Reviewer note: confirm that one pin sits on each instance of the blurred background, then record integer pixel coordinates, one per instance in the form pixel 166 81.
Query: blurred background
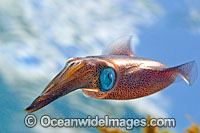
pixel 37 38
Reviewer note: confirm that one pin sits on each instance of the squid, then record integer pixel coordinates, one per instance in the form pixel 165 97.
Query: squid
pixel 117 74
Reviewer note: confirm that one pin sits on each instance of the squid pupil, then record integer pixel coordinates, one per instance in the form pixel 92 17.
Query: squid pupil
pixel 107 77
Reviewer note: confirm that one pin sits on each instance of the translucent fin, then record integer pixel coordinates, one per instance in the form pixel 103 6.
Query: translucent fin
pixel 188 72
pixel 120 46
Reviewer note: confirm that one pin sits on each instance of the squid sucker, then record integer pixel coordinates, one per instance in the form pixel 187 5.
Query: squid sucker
pixel 117 74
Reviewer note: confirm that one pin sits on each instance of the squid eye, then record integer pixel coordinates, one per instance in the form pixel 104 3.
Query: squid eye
pixel 107 78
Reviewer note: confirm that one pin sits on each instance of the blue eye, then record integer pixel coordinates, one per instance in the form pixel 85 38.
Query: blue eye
pixel 107 78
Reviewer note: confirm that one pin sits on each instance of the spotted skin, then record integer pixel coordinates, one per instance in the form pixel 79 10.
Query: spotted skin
pixel 133 81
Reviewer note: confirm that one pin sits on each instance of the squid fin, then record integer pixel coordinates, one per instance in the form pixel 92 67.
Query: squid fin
pixel 188 72
pixel 120 46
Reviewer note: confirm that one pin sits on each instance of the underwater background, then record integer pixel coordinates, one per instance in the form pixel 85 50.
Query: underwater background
pixel 37 38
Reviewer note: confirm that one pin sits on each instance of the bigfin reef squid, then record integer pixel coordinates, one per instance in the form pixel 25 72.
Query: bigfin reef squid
pixel 117 74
